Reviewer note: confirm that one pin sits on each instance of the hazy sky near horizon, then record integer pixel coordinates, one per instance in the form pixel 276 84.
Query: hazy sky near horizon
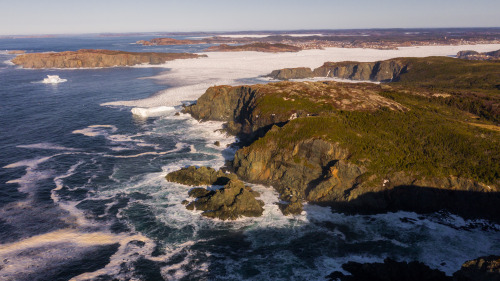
pixel 95 16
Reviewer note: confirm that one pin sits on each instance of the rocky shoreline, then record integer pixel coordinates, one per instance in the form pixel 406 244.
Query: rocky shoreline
pixel 88 58
pixel 360 148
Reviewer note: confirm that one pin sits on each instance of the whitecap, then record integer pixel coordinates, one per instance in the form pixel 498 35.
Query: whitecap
pixel 152 112
pixel 53 79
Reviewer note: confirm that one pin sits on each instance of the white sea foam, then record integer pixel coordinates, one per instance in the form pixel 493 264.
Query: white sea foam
pixel 28 182
pixel 152 112
pixel 53 79
pixel 62 246
pixel 193 77
pixel 8 62
pixel 47 146
pixel 96 130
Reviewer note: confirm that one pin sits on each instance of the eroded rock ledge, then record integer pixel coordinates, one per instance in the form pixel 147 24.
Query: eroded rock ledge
pixel 96 58
pixel 231 202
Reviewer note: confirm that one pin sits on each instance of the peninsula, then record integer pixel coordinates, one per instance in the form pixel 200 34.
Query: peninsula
pixel 424 143
pixel 87 58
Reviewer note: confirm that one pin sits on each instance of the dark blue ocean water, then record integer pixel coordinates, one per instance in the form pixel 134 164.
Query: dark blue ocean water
pixel 83 195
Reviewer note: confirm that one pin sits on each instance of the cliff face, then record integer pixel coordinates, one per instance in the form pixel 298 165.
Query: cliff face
pixel 473 55
pixel 381 71
pixel 251 110
pixel 351 147
pixel 95 58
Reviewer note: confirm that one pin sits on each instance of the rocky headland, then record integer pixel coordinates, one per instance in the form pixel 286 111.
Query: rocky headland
pixel 256 47
pixel 380 71
pixel 95 58
pixel 365 147
pixel 230 202
pixel 473 55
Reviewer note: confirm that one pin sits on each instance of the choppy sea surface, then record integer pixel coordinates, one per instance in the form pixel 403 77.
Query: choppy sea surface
pixel 83 194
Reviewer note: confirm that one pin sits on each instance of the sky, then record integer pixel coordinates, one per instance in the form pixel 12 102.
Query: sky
pixel 27 17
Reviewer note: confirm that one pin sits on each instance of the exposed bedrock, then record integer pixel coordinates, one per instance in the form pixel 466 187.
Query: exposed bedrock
pixel 380 71
pixel 480 269
pixel 230 202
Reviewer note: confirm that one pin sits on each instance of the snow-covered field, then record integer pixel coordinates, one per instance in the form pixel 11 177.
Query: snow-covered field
pixel 191 77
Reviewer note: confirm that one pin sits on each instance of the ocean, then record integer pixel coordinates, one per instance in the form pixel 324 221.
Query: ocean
pixel 83 194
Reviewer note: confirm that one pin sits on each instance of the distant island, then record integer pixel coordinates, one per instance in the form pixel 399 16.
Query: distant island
pixel 169 41
pixel 96 58
pixel 257 47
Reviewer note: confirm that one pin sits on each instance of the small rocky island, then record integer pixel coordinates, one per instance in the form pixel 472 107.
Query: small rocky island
pixel 87 58
pixel 230 202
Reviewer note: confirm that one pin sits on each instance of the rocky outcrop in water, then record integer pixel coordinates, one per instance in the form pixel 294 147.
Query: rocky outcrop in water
pixel 95 58
pixel 473 55
pixel 256 47
pixel 380 71
pixel 232 201
pixel 194 176
pixel 480 269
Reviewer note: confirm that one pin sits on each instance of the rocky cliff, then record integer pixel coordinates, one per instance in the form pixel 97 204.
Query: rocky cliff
pixel 95 58
pixel 381 71
pixel 358 147
pixel 473 55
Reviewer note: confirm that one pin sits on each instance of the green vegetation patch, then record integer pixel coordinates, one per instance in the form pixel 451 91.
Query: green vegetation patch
pixel 428 140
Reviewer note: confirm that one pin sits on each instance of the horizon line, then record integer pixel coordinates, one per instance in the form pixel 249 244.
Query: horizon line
pixel 242 31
